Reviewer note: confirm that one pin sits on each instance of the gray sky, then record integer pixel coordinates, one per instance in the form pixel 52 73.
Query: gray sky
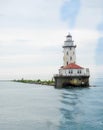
pixel 32 34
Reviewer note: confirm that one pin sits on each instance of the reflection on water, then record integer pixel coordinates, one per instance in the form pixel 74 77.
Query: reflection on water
pixel 77 112
pixel 69 109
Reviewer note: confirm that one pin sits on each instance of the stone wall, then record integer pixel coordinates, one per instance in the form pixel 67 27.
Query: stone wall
pixel 66 81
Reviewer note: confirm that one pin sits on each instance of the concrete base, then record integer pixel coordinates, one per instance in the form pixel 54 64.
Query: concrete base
pixel 75 81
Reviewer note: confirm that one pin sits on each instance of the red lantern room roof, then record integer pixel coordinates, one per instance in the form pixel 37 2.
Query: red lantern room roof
pixel 72 66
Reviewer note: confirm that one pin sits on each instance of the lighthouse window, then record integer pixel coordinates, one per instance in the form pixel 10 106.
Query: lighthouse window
pixel 87 70
pixel 67 52
pixel 67 63
pixel 70 58
pixel 79 71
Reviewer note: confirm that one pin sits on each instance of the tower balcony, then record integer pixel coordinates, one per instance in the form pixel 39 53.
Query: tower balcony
pixel 68 45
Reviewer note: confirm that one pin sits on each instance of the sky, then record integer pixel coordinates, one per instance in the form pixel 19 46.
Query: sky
pixel 32 33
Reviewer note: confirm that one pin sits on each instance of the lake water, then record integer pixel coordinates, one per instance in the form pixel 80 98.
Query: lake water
pixel 36 107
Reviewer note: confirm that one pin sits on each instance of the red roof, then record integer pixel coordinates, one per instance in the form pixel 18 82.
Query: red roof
pixel 72 66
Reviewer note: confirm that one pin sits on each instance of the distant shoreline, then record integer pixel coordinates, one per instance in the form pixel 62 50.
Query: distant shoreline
pixel 42 82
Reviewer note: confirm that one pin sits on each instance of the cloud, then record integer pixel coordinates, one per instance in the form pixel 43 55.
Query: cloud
pixel 69 11
pixel 28 66
pixel 89 15
pixel 30 13
pixel 30 41
pixel 99 52
pixel 100 27
pixel 29 53
pixel 32 34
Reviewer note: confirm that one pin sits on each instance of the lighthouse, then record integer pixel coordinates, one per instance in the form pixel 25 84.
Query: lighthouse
pixel 71 74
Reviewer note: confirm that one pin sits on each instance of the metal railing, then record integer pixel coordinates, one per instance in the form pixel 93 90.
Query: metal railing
pixel 85 74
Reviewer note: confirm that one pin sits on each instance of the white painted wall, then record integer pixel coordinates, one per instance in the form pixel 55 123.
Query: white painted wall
pixel 74 72
pixel 69 55
pixel 69 51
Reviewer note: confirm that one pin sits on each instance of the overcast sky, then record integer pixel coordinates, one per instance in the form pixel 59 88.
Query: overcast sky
pixel 32 33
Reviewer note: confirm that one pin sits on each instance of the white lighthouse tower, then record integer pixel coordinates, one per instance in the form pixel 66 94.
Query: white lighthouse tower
pixel 69 51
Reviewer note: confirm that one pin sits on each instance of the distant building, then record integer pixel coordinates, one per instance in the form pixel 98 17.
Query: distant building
pixel 71 74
